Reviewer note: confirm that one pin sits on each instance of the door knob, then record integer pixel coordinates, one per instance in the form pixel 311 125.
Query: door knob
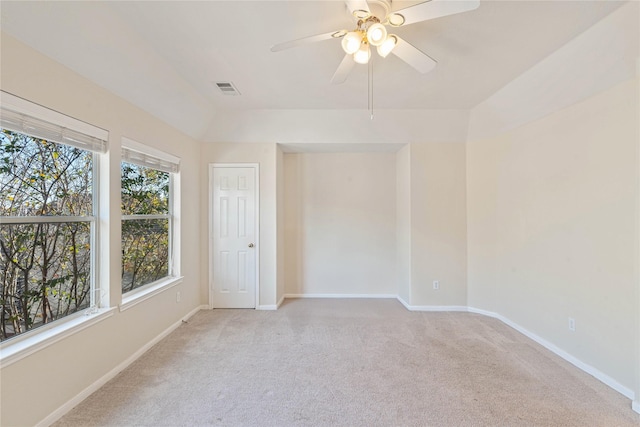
pixel 250 245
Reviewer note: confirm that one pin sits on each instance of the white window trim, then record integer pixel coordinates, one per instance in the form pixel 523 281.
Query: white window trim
pixel 130 144
pixel 22 106
pixel 27 343
pixel 24 345
pixel 147 291
pixel 143 293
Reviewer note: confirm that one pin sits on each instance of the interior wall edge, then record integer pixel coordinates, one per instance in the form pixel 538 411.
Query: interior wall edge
pixel 57 414
pixel 340 296
pixel 596 373
pixel 636 403
pixel 483 173
pixel 62 410
pixel 37 78
pixel 567 76
pixel 339 126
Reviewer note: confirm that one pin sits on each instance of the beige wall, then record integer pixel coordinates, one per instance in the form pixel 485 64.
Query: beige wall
pixel 438 224
pixel 403 223
pixel 31 388
pixel 265 155
pixel 280 216
pixel 334 126
pixel 340 221
pixel 536 219
pixel 378 223
pixel 553 229
pixel 553 201
pixel 603 56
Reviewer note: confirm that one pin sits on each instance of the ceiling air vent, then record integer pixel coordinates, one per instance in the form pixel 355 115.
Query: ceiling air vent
pixel 227 88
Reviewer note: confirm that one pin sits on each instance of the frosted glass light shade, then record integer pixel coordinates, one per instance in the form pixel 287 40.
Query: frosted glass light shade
pixel 396 20
pixel 363 54
pixel 376 34
pixel 351 42
pixel 385 48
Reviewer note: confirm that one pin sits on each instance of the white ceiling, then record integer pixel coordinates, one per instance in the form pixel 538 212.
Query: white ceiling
pixel 164 56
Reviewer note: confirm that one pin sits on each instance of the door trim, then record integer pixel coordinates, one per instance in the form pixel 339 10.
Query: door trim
pixel 256 167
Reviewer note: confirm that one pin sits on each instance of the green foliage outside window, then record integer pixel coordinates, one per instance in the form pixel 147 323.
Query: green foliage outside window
pixel 44 266
pixel 46 209
pixel 145 241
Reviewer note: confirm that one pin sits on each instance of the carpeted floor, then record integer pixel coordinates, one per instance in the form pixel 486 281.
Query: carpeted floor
pixel 350 362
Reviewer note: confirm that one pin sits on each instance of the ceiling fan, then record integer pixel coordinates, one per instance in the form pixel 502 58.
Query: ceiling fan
pixel 372 19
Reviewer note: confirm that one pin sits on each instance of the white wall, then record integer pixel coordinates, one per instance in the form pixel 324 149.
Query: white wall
pixel 378 223
pixel 437 212
pixel 552 226
pixel 280 218
pixel 31 388
pixel 266 155
pixel 545 228
pixel 403 223
pixel 552 181
pixel 599 58
pixel 340 223
pixel 339 126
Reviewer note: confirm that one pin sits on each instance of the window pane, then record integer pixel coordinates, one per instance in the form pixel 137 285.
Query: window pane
pixel 145 191
pixel 38 177
pixel 44 274
pixel 145 252
pixel 45 268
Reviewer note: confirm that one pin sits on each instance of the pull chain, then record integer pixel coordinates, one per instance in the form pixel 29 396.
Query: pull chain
pixel 370 88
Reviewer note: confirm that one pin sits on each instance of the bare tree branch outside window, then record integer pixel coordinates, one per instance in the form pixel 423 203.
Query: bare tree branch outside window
pixel 44 263
pixel 145 227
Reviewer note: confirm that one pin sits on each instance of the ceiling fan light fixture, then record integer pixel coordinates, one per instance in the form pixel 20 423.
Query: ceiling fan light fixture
pixel 351 42
pixel 361 14
pixel 363 54
pixel 395 19
pixel 387 46
pixel 376 34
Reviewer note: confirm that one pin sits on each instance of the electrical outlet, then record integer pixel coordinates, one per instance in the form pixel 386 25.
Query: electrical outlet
pixel 572 324
pixel 436 284
pixel 178 296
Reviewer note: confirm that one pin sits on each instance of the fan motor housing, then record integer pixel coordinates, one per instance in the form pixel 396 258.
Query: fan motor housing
pixel 379 8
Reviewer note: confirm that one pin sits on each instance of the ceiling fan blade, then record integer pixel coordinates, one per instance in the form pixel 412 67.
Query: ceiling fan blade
pixel 307 40
pixel 343 70
pixel 358 8
pixel 413 56
pixel 433 9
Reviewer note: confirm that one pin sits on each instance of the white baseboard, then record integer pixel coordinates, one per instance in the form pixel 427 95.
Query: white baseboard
pixel 431 307
pixel 599 375
pixel 340 296
pixel 271 306
pixel 58 413
pixel 566 356
pixel 267 307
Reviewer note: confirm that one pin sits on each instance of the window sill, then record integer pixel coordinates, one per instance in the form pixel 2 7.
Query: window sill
pixel 13 351
pixel 137 296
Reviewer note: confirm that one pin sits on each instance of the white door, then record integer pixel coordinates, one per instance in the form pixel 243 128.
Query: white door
pixel 234 230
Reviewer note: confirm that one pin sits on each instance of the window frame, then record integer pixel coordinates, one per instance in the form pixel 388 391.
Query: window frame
pixel 151 158
pixel 64 129
pixel 94 238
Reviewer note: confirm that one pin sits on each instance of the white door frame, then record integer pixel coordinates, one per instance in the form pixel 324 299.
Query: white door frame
pixel 255 166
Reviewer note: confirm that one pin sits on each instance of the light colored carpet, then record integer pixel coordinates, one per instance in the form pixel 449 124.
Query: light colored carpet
pixel 350 362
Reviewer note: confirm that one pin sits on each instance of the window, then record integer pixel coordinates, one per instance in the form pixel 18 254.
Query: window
pixel 48 185
pixel 147 215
